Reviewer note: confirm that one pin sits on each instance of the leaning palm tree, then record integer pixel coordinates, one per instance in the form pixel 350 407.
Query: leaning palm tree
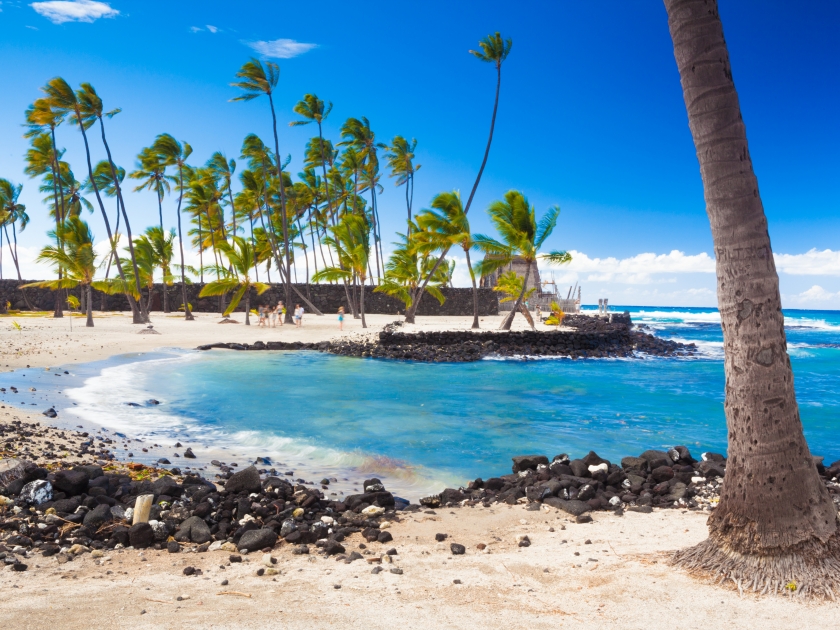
pixel 776 528
pixel 408 265
pixel 13 213
pixel 223 169
pixel 516 222
pixel 242 256
pixel 258 80
pixel 400 158
pixel 351 241
pixel 175 154
pixel 77 259
pixel 494 50
pixel 103 176
pixel 84 108
pixel 446 224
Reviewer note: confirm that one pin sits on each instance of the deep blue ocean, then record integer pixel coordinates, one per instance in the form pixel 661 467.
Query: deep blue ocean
pixel 420 426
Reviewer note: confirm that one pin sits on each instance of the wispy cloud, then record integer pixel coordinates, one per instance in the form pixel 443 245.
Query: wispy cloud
pixel 195 29
pixel 213 29
pixel 280 48
pixel 811 263
pixel 60 11
pixel 815 294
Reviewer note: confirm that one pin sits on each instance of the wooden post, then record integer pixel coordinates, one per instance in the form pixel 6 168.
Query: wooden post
pixel 142 507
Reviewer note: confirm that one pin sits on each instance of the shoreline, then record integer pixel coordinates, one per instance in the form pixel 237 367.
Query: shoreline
pixel 591 574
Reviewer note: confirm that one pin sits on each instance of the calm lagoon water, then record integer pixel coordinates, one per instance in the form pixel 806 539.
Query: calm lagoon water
pixel 419 426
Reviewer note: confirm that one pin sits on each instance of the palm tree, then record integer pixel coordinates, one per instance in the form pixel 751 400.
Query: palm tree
pixel 400 158
pixel 313 109
pixel 77 259
pixel 42 118
pixel 84 108
pixel 516 222
pixel 223 169
pixel 775 528
pixel 494 50
pixel 161 244
pixel 14 214
pixel 102 174
pixel 261 80
pixel 175 154
pixel 151 169
pixel 351 241
pixel 42 161
pixel 447 224
pixel 242 257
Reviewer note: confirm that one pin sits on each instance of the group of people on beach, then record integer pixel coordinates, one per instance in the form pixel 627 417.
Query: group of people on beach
pixel 269 316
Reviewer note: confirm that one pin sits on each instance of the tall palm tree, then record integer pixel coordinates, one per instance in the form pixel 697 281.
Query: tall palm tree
pixel 242 257
pixel 42 118
pixel 42 160
pixel 13 213
pixel 313 109
pixel 77 259
pixel 84 108
pixel 175 154
pixel 775 528
pixel 258 80
pixel 351 241
pixel 102 174
pixel 151 169
pixel 516 222
pixel 494 50
pixel 446 224
pixel 400 158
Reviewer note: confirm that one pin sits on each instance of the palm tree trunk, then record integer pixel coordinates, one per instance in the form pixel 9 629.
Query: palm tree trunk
pixel 248 307
pixel 141 317
pixel 89 322
pixel 188 316
pixel 59 217
pixel 775 523
pixel 131 302
pixel 13 252
pixel 474 289
pixel 362 301
pixel 409 315
pixel 111 255
pixel 287 276
pixel 508 320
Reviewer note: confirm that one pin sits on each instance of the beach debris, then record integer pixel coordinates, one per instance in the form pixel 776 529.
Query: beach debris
pixel 457 550
pixel 148 330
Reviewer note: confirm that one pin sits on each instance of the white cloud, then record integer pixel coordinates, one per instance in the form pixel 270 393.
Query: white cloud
pixel 675 262
pixel 815 294
pixel 213 29
pixel 811 263
pixel 280 48
pixel 60 11
pixel 195 29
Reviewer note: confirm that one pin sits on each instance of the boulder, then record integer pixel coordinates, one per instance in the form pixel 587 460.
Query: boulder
pixel 450 495
pixel 194 529
pixel 141 536
pixel 36 492
pixel 247 480
pixel 71 482
pixel 579 468
pixel 655 459
pixel 637 465
pixel 528 462
pixel 592 459
pixel 573 506
pixel 662 473
pixel 257 539
pixel 92 471
pixel 97 517
pixel 168 486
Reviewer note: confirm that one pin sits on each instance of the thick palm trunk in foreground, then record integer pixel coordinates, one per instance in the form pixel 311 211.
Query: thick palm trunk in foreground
pixel 776 526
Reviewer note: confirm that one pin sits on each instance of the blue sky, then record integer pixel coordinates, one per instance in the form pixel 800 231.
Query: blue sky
pixel 591 115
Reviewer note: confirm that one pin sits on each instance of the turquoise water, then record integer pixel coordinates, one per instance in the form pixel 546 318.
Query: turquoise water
pixel 423 425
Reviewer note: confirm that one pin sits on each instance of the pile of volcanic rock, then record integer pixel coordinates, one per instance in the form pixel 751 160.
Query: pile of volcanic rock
pixel 70 511
pixel 583 337
pixel 665 479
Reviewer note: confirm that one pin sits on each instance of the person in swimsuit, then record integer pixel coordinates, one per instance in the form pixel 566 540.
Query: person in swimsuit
pixel 341 318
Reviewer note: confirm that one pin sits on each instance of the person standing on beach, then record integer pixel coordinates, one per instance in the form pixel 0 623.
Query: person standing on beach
pixel 341 318
pixel 272 312
pixel 261 315
pixel 298 315
pixel 281 311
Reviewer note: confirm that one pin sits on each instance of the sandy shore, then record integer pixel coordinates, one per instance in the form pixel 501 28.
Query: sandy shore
pixel 611 573
pixel 46 341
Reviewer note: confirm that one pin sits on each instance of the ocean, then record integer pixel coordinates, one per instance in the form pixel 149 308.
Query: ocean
pixel 420 427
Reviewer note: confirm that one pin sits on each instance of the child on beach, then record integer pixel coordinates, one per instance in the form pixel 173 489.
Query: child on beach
pixel 273 314
pixel 341 318
pixel 281 311
pixel 298 315
pixel 261 315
